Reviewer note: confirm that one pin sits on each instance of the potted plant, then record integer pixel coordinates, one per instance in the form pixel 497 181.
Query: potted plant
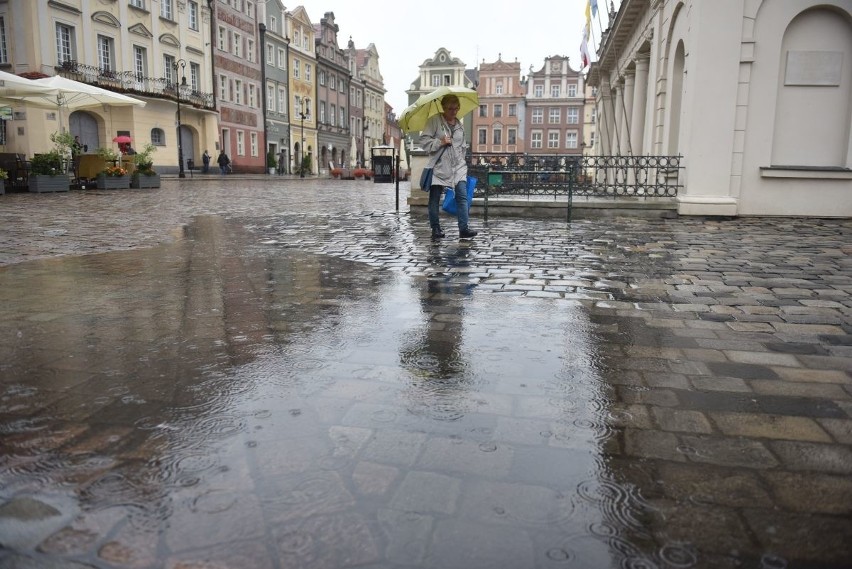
pixel 271 162
pixel 144 175
pixel 113 176
pixel 306 166
pixel 47 174
pixel 362 173
pixel 4 175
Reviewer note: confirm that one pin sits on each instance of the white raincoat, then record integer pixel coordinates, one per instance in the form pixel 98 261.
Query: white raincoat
pixel 451 168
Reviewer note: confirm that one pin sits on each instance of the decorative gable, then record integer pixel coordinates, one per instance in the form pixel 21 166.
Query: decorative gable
pixel 140 30
pixel 106 18
pixel 169 39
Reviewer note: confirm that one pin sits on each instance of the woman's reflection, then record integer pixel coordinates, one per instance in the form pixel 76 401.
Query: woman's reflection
pixel 434 354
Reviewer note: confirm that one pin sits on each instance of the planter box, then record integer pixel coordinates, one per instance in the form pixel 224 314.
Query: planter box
pixel 113 182
pixel 40 183
pixel 142 181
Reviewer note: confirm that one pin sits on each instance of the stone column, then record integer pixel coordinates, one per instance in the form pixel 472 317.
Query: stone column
pixel 640 101
pixel 618 108
pixel 605 118
pixel 627 113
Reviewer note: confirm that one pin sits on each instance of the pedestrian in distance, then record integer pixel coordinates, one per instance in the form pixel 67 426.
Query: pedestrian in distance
pixel 445 130
pixel 282 162
pixel 224 162
pixel 205 162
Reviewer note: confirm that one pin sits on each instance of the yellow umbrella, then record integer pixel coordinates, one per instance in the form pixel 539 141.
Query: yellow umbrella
pixel 414 117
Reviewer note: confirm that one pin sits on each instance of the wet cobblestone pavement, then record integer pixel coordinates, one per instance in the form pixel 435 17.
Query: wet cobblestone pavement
pixel 269 374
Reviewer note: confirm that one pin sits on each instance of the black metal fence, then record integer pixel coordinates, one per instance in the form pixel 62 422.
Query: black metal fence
pixel 129 82
pixel 528 175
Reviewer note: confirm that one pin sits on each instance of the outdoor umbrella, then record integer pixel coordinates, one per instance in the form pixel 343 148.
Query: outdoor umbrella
pixel 16 87
pixel 122 139
pixel 414 117
pixel 77 95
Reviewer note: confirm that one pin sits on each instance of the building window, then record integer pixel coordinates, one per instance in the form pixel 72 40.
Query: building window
pixel 158 137
pixel 553 139
pixel 333 115
pixel 252 96
pixel 554 91
pixel 238 45
pixel 538 116
pixel 321 76
pixel 497 136
pixel 483 110
pixel 282 100
pixel 535 139
pixel 241 143
pixel 572 90
pixel 341 85
pixel 571 139
pixel 332 82
pixel 222 35
pixel 270 97
pixel 513 136
pixel 436 80
pixel 105 53
pixel 253 142
pixel 270 54
pixel 223 87
pixel 513 109
pixel 594 116
pixel 238 92
pixel 138 4
pixel 65 48
pixel 169 70
pixel 592 139
pixel 498 110
pixel 193 15
pixel 342 116
pixel 195 77
pixel 140 62
pixel 4 56
pixel 554 116
pixel 297 65
pixel 498 88
pixel 483 136
pixel 322 112
pixel 538 91
pixel 273 24
pixel 250 14
pixel 573 115
pixel 308 69
pixel 166 9
pixel 250 50
pixel 282 60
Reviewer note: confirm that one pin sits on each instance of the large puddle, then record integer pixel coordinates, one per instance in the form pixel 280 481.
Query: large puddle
pixel 227 402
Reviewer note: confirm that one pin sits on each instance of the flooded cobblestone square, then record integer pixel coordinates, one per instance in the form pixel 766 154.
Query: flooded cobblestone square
pixel 291 374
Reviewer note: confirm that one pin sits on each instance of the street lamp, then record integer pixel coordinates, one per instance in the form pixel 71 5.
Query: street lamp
pixel 182 64
pixel 364 144
pixel 302 116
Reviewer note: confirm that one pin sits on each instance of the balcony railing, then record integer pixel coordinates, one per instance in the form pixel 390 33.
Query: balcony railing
pixel 131 83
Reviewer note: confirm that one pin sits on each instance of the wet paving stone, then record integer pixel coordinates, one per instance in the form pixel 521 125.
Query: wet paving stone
pixel 284 373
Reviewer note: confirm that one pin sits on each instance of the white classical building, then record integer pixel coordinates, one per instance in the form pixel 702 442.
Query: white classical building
pixel 755 95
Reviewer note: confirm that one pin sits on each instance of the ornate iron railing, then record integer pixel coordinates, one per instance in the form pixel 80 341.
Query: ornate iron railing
pixel 563 177
pixel 129 82
pixel 593 176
